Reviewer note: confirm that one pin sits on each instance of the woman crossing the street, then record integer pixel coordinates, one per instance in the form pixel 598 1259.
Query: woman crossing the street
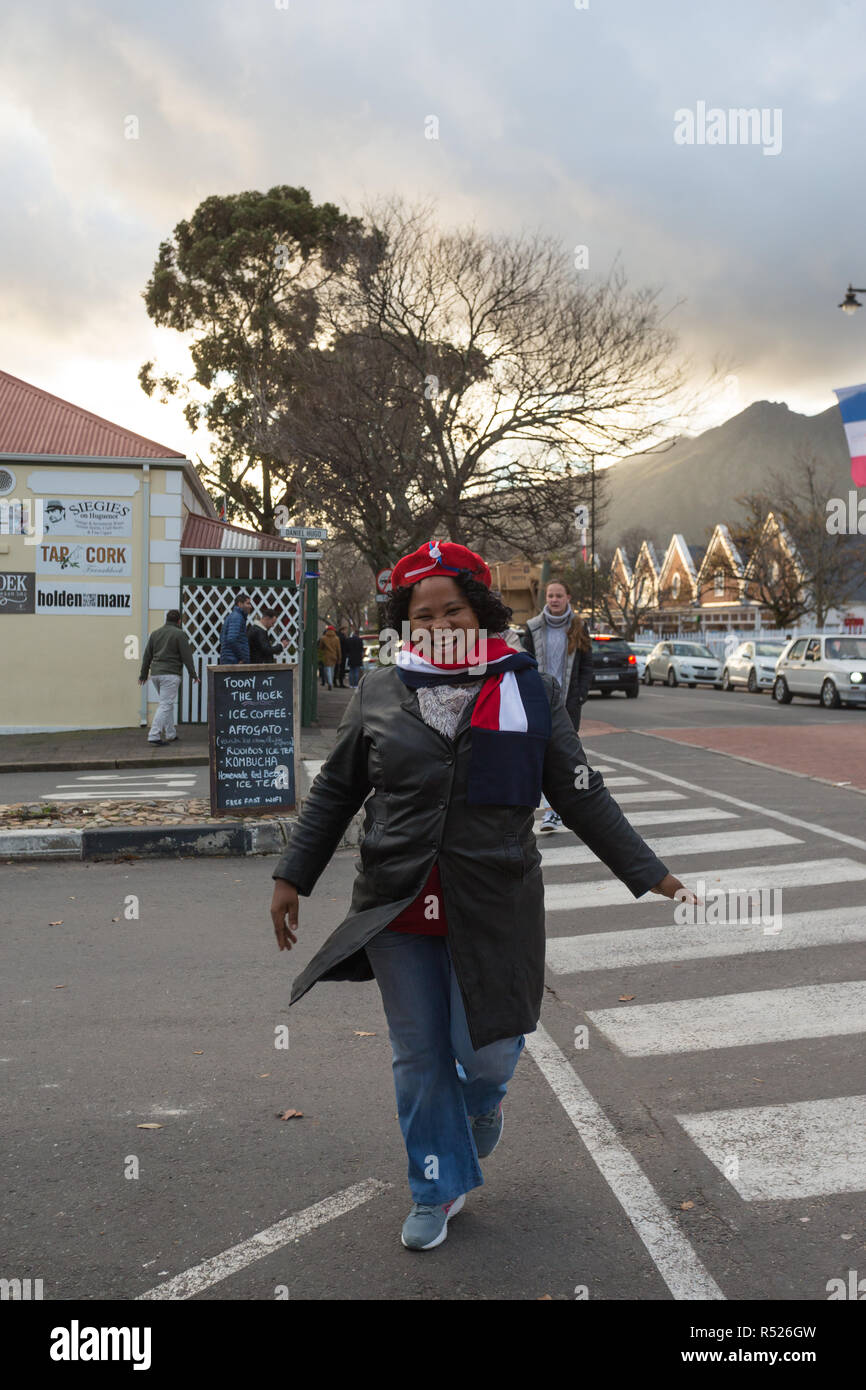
pixel 456 741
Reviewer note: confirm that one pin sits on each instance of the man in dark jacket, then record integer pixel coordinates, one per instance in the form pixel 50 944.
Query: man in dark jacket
pixel 166 654
pixel 263 648
pixel 234 643
pixel 354 656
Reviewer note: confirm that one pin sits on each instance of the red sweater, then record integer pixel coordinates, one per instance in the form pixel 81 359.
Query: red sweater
pixel 426 915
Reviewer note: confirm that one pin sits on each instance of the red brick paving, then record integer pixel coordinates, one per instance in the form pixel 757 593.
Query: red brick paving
pixel 836 754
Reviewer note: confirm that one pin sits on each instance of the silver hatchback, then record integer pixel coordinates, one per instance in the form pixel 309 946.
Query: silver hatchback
pixel 829 669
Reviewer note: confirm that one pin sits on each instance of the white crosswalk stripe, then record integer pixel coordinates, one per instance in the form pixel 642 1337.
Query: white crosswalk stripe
pixel 735 1020
pixel 623 781
pixel 801 1149
pixel 666 846
pixel 635 798
pixel 680 813
pixel 623 950
pixel 565 897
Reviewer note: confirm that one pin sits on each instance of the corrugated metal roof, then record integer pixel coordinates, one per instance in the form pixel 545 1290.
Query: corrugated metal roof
pixel 34 422
pixel 201 533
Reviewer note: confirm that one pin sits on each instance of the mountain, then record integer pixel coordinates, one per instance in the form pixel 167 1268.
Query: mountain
pixel 692 485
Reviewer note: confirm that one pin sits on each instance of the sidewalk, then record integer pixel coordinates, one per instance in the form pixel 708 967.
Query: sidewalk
pixel 98 749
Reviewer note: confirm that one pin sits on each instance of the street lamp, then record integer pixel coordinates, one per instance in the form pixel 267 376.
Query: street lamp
pixel 850 304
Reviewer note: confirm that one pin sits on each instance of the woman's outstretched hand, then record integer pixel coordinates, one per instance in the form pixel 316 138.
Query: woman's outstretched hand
pixel 284 913
pixel 670 887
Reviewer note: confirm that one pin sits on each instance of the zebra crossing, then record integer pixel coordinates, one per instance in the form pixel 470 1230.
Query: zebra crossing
pixel 127 786
pixel 808 1145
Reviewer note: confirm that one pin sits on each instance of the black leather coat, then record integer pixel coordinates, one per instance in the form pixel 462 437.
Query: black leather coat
pixel 489 863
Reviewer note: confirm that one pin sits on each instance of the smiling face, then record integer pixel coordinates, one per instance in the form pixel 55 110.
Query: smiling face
pixel 439 607
pixel 556 599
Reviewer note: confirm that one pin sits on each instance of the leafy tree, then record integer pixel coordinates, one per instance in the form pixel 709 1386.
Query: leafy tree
pixel 242 275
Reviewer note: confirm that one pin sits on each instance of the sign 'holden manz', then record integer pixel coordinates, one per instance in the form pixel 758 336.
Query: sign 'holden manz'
pixel 107 559
pixel 17 592
pixel 53 596
pixel 86 516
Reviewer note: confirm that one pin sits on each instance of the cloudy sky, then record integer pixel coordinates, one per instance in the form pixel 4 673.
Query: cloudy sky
pixel 557 114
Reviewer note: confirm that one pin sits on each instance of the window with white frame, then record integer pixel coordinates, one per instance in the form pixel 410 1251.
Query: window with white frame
pixel 719 583
pixel 675 586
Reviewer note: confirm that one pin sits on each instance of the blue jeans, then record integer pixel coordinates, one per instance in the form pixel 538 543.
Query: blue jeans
pixel 439 1077
pixel 354 675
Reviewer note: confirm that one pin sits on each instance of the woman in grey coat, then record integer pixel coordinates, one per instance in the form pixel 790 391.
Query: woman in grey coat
pixel 456 741
pixel 558 639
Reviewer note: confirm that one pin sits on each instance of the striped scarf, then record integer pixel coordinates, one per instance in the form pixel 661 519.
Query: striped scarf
pixel 510 720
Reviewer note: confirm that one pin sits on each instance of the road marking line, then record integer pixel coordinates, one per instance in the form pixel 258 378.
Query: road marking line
pixel 738 801
pixel 622 950
pixel 670 1252
pixel 681 813
pixel 132 777
pixel 606 892
pixel 717 842
pixel 805 1149
pixel 237 1257
pixel 623 781
pixel 154 795
pixel 736 1020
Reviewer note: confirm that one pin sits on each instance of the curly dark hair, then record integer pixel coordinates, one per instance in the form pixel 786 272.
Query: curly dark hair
pixel 491 612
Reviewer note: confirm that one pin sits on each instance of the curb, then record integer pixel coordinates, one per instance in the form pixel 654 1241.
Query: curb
pixel 106 764
pixel 160 842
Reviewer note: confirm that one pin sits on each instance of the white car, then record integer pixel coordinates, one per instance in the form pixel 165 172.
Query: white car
pixel 752 664
pixel 641 651
pixel 682 663
pixel 829 669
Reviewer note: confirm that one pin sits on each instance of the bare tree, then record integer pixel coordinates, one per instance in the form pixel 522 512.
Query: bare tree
pixel 347 586
pixel 823 571
pixel 458 367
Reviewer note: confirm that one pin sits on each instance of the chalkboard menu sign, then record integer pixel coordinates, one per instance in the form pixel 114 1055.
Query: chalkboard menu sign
pixel 252 718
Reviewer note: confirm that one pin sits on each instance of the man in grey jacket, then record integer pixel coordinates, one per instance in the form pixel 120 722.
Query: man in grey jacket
pixel 166 654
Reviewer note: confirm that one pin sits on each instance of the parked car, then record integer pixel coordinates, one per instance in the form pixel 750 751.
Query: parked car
pixel 829 669
pixel 614 665
pixel 641 651
pixel 752 664
pixel 686 663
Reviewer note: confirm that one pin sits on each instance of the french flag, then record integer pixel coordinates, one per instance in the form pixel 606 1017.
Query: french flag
pixel 852 407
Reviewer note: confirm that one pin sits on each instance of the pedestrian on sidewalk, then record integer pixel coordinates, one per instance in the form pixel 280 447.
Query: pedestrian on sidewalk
pixel 263 648
pixel 329 655
pixel 354 656
pixel 234 643
pixel 456 740
pixel 166 654
pixel 558 639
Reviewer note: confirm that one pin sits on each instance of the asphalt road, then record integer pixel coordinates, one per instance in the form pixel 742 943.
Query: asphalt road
pixel 658 706
pixel 705 1143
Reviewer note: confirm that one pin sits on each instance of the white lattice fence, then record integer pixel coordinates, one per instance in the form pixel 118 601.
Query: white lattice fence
pixel 204 607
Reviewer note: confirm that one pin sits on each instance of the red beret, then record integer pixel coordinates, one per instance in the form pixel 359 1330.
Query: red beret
pixel 438 557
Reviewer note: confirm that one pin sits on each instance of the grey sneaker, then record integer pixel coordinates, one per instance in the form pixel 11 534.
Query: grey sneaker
pixel 549 821
pixel 427 1226
pixel 487 1130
